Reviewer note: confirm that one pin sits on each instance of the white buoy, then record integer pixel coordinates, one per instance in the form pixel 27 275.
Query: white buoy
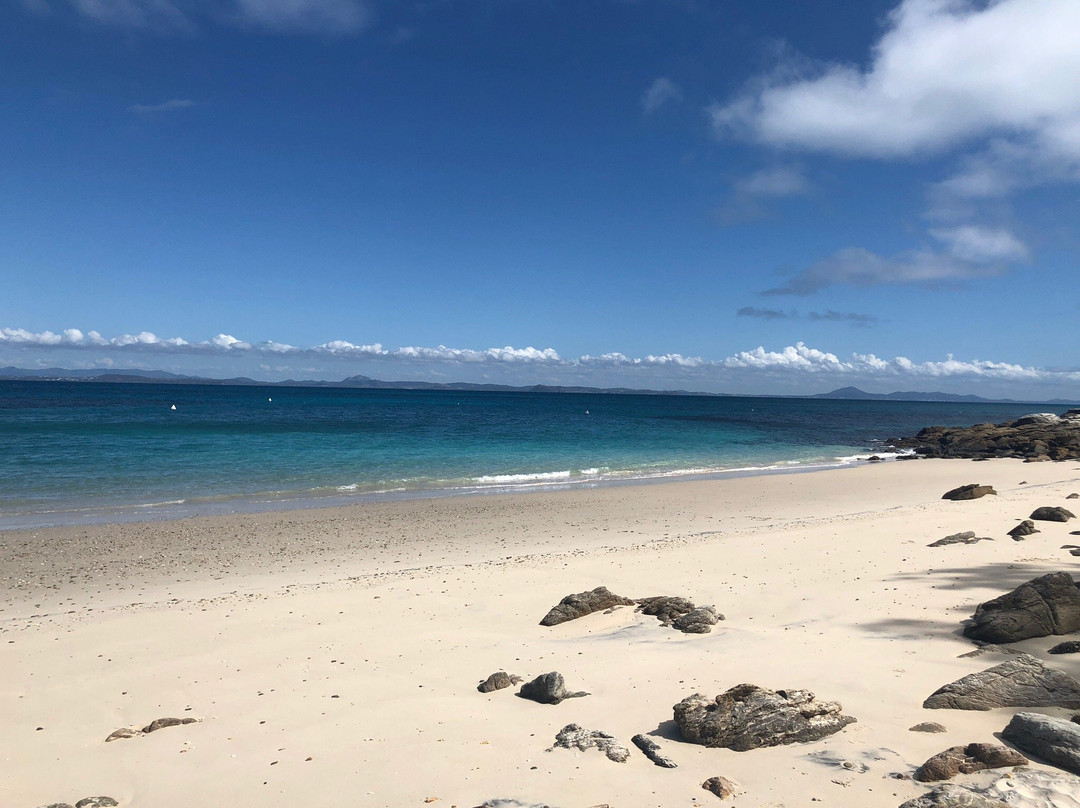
pixel 173 407
pixel 269 399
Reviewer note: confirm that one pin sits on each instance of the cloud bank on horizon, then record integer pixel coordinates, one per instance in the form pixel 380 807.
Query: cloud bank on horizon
pixel 527 365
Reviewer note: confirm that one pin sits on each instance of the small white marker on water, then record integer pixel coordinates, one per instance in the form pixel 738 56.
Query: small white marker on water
pixel 173 407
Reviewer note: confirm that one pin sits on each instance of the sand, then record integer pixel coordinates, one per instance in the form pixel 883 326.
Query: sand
pixel 332 655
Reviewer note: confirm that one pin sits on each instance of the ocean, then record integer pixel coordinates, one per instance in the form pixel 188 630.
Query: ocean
pixel 81 452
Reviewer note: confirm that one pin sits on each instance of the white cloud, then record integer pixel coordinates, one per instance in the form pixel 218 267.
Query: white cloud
pixel 982 245
pixel 318 16
pixel 659 93
pixel 167 106
pixel 791 362
pixel 776 181
pixel 944 73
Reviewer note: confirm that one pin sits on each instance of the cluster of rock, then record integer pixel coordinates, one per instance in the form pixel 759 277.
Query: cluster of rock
pixel 86 802
pixel 1039 436
pixel 674 612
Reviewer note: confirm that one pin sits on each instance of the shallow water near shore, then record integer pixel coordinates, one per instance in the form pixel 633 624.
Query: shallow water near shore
pixel 81 452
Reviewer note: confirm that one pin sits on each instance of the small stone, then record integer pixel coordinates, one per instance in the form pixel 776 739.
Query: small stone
pixel 928 726
pixel 969 491
pixel 498 681
pixel 123 732
pixel 652 751
pixel 548 688
pixel 96 802
pixel 720 786
pixel 573 736
pixel 162 723
pixel 1025 528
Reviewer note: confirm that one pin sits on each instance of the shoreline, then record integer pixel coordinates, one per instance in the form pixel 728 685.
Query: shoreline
pixel 337 650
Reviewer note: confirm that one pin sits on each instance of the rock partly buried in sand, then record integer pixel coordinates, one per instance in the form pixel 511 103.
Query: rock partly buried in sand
pixel 548 688
pixel 58 805
pixel 748 717
pixel 975 757
pixel 1021 682
pixel 573 736
pixel 652 751
pixel 720 786
pixel 574 606
pixel 953 796
pixel 1052 513
pixel 122 733
pixel 1025 528
pixel 1053 739
pixel 1068 647
pixel 161 723
pixel 969 491
pixel 96 802
pixel 1040 607
pixel 680 613
pixel 928 726
pixel 498 681
pixel 966 537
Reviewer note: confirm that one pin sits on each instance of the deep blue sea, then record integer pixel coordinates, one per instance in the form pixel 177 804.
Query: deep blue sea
pixel 83 452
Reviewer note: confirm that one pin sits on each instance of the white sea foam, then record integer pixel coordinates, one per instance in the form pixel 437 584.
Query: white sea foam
pixel 518 479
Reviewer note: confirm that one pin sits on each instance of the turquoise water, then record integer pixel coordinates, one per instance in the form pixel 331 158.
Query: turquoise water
pixel 72 452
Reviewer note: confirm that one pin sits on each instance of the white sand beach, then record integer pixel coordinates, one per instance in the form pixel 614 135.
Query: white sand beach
pixel 332 655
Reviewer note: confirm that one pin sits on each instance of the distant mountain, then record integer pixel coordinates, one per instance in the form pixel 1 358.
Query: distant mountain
pixel 855 394
pixel 354 382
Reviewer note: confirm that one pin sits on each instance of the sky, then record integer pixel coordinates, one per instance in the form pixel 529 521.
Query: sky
pixel 768 197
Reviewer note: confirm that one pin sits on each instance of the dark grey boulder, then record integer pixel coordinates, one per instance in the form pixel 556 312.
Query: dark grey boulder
pixel 928 726
pixel 953 796
pixel 548 688
pixel 1025 528
pixel 966 537
pixel 572 736
pixel 975 757
pixel 96 802
pixel 651 749
pixel 698 621
pixel 1040 607
pixel 1054 740
pixel 1073 496
pixel 720 786
pixel 969 491
pixel 680 613
pixel 748 717
pixel 1052 513
pixel 574 606
pixel 498 681
pixel 161 723
pixel 1023 681
pixel 1068 647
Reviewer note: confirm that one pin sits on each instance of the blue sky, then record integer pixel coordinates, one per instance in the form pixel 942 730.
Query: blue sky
pixel 770 197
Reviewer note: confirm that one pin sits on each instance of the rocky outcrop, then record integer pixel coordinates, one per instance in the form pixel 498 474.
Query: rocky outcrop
pixel 969 491
pixel 1052 513
pixel 975 757
pixel 574 606
pixel 1025 528
pixel 498 681
pixel 966 537
pixel 720 786
pixel 1021 682
pixel 573 736
pixel 548 688
pixel 953 796
pixel 748 717
pixel 1040 607
pixel 1054 740
pixel 1040 435
pixel 652 751
pixel 1026 787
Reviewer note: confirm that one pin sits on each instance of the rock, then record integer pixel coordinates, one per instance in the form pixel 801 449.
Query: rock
pixel 1021 682
pixel 161 723
pixel 573 736
pixel 720 786
pixel 1040 438
pixel 96 802
pixel 975 757
pixel 1054 740
pixel 58 805
pixel 497 681
pixel 969 491
pixel 548 688
pixel 967 537
pixel 828 757
pixel 652 751
pixel 1073 496
pixel 698 621
pixel 928 726
pixel 953 796
pixel 1025 528
pixel 747 717
pixel 1039 418
pixel 123 732
pixel 1052 513
pixel 1040 607
pixel 1068 647
pixel 574 606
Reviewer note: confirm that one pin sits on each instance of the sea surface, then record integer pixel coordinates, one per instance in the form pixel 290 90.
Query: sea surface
pixel 81 452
